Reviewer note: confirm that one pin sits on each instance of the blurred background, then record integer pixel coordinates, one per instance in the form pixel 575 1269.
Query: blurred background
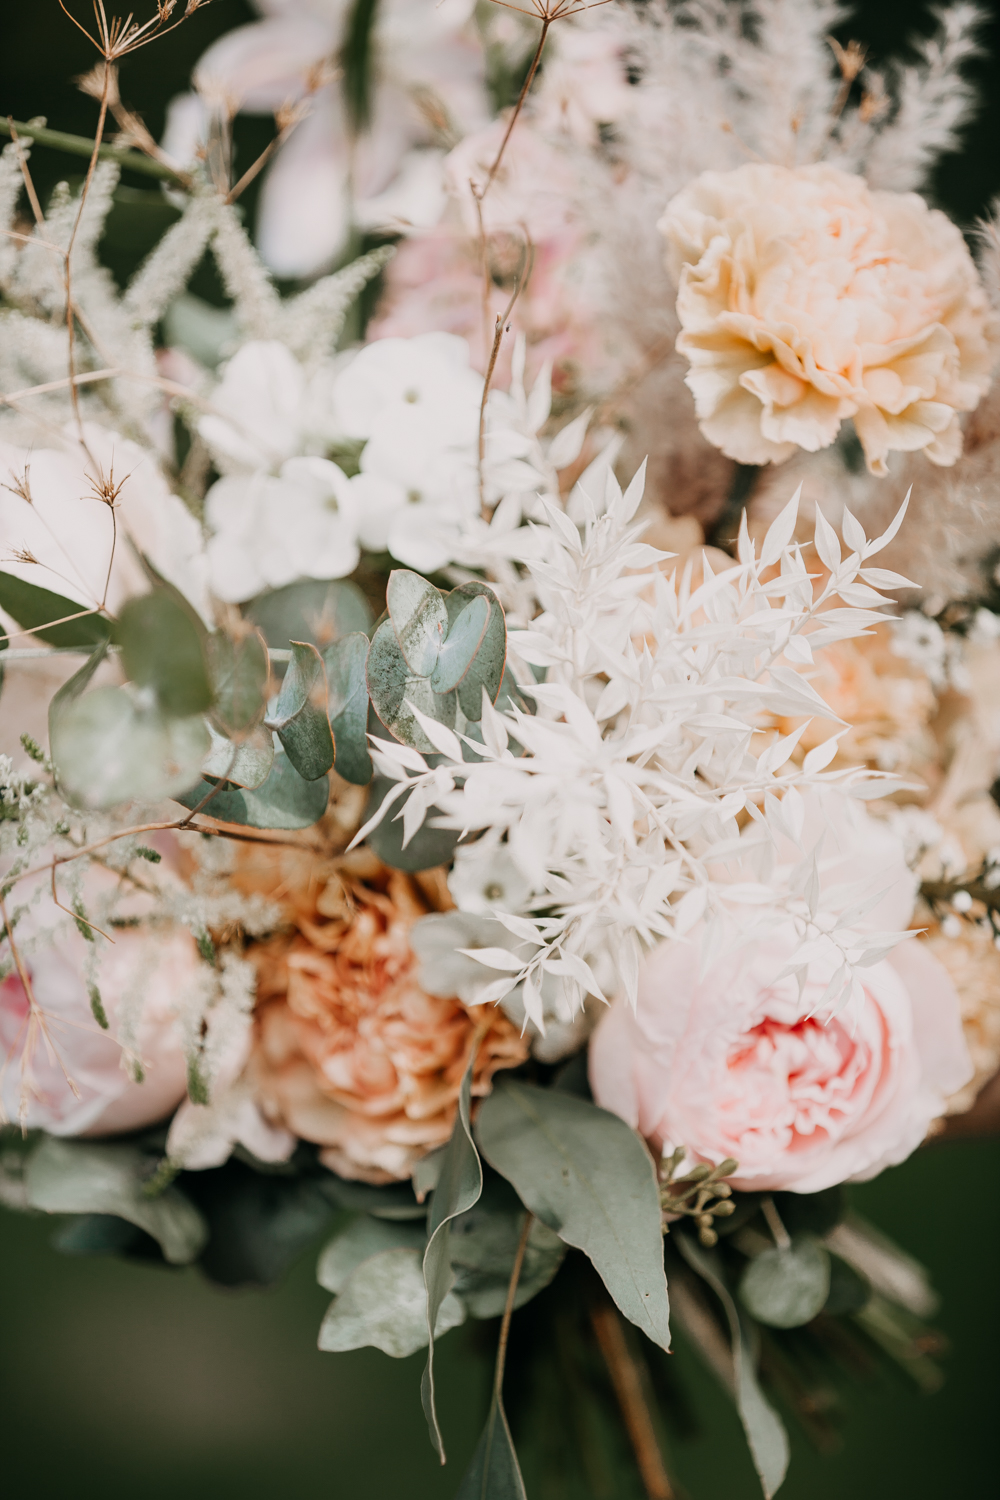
pixel 120 1378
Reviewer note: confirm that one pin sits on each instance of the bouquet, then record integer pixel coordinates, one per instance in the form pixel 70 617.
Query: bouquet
pixel 500 715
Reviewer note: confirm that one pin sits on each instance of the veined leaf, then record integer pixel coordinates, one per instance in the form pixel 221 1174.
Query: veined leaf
pixel 109 748
pixel 360 1238
pixel 419 618
pixel 300 715
pixel 78 1177
pixel 463 641
pixel 246 763
pixel 383 1303
pixel 284 800
pixel 239 672
pixel 391 686
pixel 765 1434
pixel 31 606
pixel 483 1244
pixel 345 662
pixel 586 1175
pixel 459 1187
pixel 162 650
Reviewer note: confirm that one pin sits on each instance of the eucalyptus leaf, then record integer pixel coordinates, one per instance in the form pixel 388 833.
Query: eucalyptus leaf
pixel 786 1287
pixel 460 1184
pixel 393 687
pixel 766 1437
pixel 392 1200
pixel 357 1240
pixel 246 763
pixel 463 641
pixel 585 1174
pixel 487 668
pixel 239 671
pixel 419 618
pixel 483 1244
pixel 300 714
pixel 78 1177
pixel 109 748
pixel 384 1303
pixel 428 848
pixel 494 1473
pixel 284 800
pixel 162 650
pixel 32 606
pixel 345 662
pixel 314 610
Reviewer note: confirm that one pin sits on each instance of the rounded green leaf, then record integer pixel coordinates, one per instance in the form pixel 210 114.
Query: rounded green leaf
pixel 109 748
pixel 284 800
pixel 162 650
pixel 428 848
pixel 300 715
pixel 384 1303
pixel 314 610
pixel 419 618
pixel 239 671
pixel 463 641
pixel 787 1287
pixel 487 667
pixel 392 687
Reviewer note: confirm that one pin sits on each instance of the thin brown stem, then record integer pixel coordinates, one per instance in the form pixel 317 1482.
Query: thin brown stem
pixel 521 281
pixel 49 624
pixel 508 1311
pixel 76 915
pixel 628 1384
pixel 529 80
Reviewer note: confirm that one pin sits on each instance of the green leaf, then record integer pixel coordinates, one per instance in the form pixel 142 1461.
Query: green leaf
pixel 483 1245
pixel 283 801
pixel 345 662
pixel 314 611
pixel 162 650
pixel 239 673
pixel 260 1222
pixel 419 618
pixel 586 1175
pixel 392 686
pixel 31 606
pixel 428 848
pixel 487 669
pixel 300 718
pixel 109 748
pixel 494 1473
pixel 76 1177
pixel 360 1238
pixel 766 1437
pixel 246 763
pixel 787 1287
pixel 356 59
pixel 459 1186
pixel 384 1303
pixel 463 641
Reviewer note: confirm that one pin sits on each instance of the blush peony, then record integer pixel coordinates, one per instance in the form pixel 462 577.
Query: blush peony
pixel 731 1063
pixel 60 1071
pixel 351 1052
pixel 806 299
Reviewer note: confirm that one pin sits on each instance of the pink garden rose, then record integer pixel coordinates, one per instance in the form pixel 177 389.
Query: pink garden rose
pixel 805 299
pixel 60 1071
pixel 731 1063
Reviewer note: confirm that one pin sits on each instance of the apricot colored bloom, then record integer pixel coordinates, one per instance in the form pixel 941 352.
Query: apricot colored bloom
pixel 351 1052
pixel 806 299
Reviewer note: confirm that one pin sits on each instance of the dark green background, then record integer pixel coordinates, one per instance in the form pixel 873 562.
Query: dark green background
pixel 119 1380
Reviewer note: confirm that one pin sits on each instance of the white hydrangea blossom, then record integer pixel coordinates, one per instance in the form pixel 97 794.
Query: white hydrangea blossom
pixel 651 792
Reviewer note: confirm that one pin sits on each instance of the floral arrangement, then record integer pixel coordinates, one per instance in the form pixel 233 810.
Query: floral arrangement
pixel 504 783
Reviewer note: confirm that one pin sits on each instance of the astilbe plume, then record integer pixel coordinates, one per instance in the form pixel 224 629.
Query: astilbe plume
pixel 623 797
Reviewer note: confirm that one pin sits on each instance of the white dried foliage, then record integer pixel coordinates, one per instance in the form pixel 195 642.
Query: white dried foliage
pixel 655 735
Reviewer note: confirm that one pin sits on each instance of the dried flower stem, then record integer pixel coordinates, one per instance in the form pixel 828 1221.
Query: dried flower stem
pixel 520 282
pixel 508 1311
pixel 481 192
pixel 626 1378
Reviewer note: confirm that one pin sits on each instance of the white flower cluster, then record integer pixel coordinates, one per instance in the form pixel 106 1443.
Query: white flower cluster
pixel 652 790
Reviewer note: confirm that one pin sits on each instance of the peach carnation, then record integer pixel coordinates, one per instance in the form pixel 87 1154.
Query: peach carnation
pixel 973 965
pixel 805 298
pixel 350 1052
